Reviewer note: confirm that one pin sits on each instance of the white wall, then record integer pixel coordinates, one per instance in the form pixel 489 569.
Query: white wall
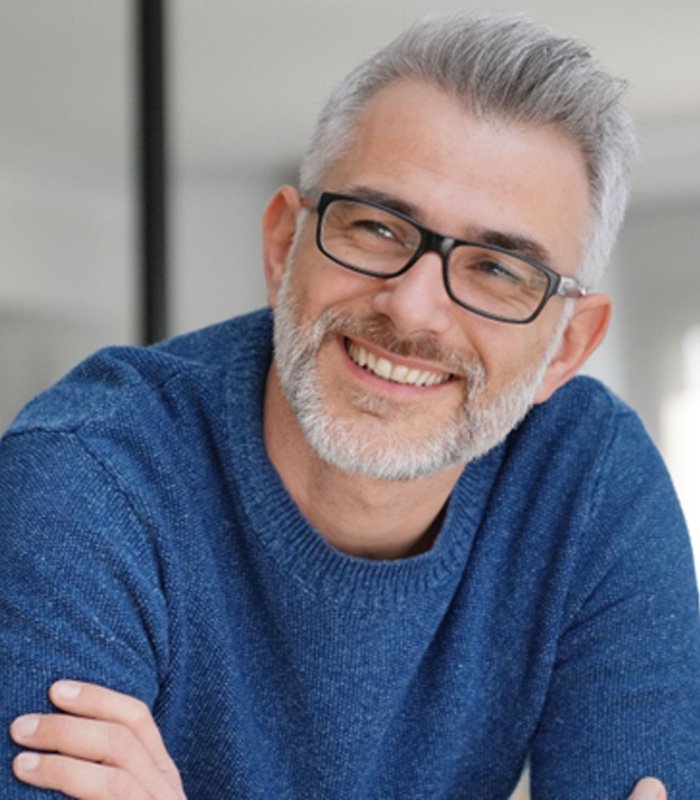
pixel 66 213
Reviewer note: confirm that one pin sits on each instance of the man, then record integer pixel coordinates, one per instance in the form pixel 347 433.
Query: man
pixel 407 551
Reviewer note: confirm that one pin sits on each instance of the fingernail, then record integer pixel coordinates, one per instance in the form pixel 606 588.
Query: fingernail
pixel 24 727
pixel 67 689
pixel 648 790
pixel 27 762
pixel 647 793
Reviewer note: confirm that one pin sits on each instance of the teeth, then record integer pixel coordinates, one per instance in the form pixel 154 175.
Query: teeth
pixel 382 368
pixel 397 373
pixel 412 376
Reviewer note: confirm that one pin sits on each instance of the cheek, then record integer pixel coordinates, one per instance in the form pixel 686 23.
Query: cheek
pixel 508 352
pixel 318 284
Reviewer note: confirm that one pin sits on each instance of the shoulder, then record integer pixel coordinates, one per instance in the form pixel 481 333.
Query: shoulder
pixel 606 489
pixel 584 426
pixel 151 423
pixel 583 401
pixel 592 444
pixel 125 383
pixel 582 468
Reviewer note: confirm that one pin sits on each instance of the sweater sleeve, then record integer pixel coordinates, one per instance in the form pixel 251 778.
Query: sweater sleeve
pixel 80 591
pixel 624 698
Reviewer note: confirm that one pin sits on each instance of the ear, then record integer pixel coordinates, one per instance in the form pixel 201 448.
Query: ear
pixel 279 224
pixel 583 334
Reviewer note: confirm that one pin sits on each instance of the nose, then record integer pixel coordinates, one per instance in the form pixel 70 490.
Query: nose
pixel 416 301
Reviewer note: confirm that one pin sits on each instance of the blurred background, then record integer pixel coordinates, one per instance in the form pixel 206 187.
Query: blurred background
pixel 244 82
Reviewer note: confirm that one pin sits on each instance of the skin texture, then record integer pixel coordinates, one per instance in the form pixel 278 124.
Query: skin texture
pixel 461 176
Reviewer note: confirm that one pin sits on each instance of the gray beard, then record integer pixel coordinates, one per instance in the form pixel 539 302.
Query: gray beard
pixel 368 446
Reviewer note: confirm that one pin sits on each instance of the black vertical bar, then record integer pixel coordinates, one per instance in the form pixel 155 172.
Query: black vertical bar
pixel 152 169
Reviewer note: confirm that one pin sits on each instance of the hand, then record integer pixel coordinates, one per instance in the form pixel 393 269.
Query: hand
pixel 106 746
pixel 649 789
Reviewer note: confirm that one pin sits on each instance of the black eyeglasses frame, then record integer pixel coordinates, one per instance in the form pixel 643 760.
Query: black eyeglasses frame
pixel 432 242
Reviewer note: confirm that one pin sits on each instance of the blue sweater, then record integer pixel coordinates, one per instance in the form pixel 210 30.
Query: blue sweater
pixel 148 544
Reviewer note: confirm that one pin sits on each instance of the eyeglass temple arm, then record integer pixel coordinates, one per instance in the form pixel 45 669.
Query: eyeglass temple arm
pixel 570 287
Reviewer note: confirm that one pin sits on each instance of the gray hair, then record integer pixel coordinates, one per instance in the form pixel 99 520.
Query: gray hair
pixel 504 67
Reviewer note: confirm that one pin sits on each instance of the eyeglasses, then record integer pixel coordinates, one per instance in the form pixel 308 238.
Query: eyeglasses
pixel 489 280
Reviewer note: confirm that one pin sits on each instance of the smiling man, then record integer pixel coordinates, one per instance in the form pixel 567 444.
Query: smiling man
pixel 379 543
pixel 394 379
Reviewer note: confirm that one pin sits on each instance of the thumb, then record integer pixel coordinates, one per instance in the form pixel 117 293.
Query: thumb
pixel 649 789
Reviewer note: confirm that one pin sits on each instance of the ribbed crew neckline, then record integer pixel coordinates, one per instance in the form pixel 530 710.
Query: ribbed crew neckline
pixel 274 519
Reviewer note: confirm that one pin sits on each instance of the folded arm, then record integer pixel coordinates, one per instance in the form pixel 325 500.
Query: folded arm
pixel 106 745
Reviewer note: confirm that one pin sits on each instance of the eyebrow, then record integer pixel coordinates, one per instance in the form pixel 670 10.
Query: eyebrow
pixel 522 245
pixel 515 243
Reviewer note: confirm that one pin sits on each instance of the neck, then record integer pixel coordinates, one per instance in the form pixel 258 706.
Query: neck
pixel 358 515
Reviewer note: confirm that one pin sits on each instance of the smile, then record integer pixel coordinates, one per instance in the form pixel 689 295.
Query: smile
pixel 396 373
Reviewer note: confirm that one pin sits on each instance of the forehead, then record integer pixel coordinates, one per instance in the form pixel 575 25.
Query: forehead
pixel 464 174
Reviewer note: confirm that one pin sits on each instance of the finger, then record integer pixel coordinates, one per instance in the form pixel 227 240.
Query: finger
pixel 79 779
pixel 649 789
pixel 90 700
pixel 108 743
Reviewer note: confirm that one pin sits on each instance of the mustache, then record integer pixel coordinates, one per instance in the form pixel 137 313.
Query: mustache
pixel 380 330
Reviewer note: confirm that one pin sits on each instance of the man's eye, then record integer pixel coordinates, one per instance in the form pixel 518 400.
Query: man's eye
pixel 498 270
pixel 375 228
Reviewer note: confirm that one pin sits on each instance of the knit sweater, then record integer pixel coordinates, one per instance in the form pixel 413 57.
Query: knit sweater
pixel 148 544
